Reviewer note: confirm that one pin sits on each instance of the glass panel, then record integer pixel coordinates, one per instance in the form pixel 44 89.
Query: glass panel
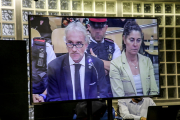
pixel 31 113
pixel 110 6
pixel 76 5
pixel 162 68
pixel 178 68
pixel 172 92
pixel 170 56
pixel 27 3
pixel 99 6
pixel 159 20
pixel 171 68
pixel 25 15
pixel 125 15
pixel 177 20
pixel 126 7
pixel 28 91
pixel 111 15
pixel 65 14
pixel 163 93
pixel 158 8
pixel 161 31
pixel 169 20
pixel 6 2
pixel 8 29
pixel 27 43
pixel 161 56
pixel 147 8
pixel 77 14
pixel 28 58
pixel 87 6
pixel 53 13
pixel 171 80
pixel 64 4
pixel 7 15
pixel 178 57
pixel 40 13
pixel 177 8
pixel 40 4
pixel 169 32
pixel 169 44
pixel 168 8
pixel 162 80
pixel 25 30
pixel 161 45
pixel 88 14
pixel 177 32
pixel 148 16
pixel 178 44
pixel 100 15
pixel 52 4
pixel 137 7
pixel 138 15
pixel 179 92
pixel 4 38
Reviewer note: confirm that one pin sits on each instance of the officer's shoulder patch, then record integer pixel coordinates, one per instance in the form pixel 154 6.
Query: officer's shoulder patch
pixel 109 40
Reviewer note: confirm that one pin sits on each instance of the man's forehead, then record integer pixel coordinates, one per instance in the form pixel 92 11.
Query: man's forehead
pixel 75 36
pixel 75 41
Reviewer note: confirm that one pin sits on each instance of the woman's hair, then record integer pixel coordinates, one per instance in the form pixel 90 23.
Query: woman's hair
pixel 128 28
pixel 76 26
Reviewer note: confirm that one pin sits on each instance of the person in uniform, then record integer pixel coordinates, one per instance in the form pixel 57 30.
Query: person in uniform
pixel 101 47
pixel 42 54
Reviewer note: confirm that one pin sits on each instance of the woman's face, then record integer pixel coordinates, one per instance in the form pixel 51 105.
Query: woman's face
pixel 133 42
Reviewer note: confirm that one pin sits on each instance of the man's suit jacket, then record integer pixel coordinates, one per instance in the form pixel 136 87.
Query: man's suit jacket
pixel 60 83
pixel 121 78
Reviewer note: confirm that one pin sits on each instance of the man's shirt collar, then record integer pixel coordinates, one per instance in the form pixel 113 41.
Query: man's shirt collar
pixel 131 101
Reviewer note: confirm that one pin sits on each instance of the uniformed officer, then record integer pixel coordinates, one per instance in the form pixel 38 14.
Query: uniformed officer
pixel 101 47
pixel 42 54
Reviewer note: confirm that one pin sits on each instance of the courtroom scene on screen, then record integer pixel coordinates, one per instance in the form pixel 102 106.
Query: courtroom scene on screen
pixel 82 58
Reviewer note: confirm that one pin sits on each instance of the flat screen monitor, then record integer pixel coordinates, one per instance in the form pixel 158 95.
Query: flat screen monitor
pixel 163 112
pixel 117 58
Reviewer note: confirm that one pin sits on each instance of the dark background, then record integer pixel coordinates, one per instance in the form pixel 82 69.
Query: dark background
pixel 13 80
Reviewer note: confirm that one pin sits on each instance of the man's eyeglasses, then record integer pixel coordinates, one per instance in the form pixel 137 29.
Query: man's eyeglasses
pixel 70 45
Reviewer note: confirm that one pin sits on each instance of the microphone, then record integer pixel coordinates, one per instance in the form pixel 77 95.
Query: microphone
pixel 90 62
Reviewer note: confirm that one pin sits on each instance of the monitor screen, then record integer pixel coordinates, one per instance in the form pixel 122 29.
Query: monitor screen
pixel 163 112
pixel 89 58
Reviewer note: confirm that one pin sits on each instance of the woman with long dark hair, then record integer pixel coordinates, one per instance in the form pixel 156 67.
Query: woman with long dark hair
pixel 132 74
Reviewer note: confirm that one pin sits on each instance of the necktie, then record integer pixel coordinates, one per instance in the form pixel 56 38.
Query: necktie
pixel 77 82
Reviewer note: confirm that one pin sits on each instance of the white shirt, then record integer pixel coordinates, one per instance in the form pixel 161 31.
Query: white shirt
pixel 117 51
pixel 50 53
pixel 138 84
pixel 131 110
pixel 82 75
